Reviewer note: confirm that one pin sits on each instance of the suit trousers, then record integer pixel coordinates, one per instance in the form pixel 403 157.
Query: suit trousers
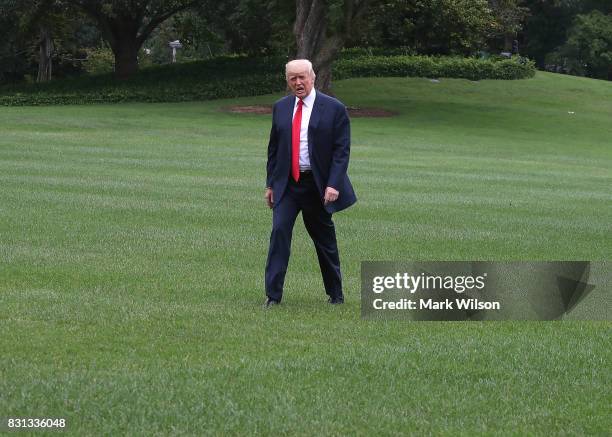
pixel 302 196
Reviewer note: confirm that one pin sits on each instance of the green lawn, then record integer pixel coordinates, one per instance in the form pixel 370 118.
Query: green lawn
pixel 133 241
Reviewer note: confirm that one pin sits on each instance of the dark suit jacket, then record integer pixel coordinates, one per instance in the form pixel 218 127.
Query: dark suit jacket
pixel 329 141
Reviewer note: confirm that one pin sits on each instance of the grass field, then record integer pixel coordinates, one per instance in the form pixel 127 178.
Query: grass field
pixel 133 241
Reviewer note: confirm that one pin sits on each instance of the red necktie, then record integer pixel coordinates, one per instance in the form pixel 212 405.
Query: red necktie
pixel 295 141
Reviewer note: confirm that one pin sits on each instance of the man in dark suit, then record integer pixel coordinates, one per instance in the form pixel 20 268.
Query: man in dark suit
pixel 308 157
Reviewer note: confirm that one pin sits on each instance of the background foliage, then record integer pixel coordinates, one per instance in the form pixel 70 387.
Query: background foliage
pixel 570 36
pixel 226 77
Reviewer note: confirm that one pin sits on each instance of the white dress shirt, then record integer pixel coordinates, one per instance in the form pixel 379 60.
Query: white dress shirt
pixel 306 111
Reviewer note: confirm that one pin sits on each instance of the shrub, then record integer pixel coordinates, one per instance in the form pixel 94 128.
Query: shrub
pixel 99 60
pixel 428 66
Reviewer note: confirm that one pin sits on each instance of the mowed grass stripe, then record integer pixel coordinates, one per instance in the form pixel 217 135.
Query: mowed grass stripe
pixel 133 241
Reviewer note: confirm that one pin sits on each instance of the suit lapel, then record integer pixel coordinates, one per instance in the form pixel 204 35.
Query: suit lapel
pixel 318 108
pixel 288 121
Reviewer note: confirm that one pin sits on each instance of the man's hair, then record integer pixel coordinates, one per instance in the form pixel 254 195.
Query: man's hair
pixel 297 62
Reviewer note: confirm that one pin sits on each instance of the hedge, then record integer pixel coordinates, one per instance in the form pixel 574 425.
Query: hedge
pixel 434 67
pixel 229 77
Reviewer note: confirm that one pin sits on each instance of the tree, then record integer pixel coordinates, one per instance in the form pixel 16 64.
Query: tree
pixel 509 16
pixel 549 20
pixel 321 30
pixel 28 18
pixel 46 18
pixel 12 46
pixel 429 27
pixel 126 24
pixel 37 32
pixel 256 27
pixel 588 49
pixel 452 26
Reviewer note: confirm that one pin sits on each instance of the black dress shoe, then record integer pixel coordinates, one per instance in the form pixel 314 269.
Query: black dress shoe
pixel 335 300
pixel 270 303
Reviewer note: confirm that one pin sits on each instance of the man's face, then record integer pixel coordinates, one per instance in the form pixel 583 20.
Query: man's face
pixel 300 81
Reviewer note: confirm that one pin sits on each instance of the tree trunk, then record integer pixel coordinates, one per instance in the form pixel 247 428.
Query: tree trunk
pixel 125 50
pixel 311 35
pixel 122 34
pixel 309 30
pixel 45 65
pixel 324 59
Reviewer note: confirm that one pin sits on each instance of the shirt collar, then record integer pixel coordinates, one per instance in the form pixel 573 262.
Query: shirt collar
pixel 309 99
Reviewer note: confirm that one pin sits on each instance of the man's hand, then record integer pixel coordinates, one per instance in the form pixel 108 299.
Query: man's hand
pixel 269 196
pixel 331 194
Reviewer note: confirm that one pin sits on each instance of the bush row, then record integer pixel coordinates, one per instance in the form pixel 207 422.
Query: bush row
pixel 434 67
pixel 152 92
pixel 230 77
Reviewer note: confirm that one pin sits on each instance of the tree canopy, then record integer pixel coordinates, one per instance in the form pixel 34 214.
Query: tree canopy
pixel 41 38
pixel 126 24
